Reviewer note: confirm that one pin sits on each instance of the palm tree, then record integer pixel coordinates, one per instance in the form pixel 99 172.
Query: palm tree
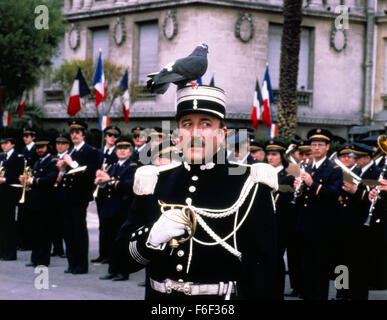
pixel 290 48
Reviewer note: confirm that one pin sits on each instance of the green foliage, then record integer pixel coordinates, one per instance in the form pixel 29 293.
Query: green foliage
pixel 24 49
pixel 32 116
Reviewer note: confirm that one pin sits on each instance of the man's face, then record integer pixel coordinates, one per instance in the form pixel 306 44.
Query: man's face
pixel 162 161
pixel 7 146
pixel 306 157
pixel 123 153
pixel 41 151
pixel 200 137
pixel 296 156
pixel 110 139
pixel 139 140
pixel 62 147
pixel 319 149
pixel 347 160
pixel 274 158
pixel 258 155
pixel 361 162
pixel 77 136
pixel 27 138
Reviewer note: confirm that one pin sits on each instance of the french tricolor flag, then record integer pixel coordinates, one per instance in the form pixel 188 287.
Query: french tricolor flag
pixel 6 118
pixel 123 87
pixel 268 98
pixel 22 105
pixel 104 122
pixel 257 106
pixel 79 90
pixel 99 82
pixel 273 130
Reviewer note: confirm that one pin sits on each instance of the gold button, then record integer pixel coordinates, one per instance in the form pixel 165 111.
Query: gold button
pixel 180 253
pixel 188 201
pixel 306 197
pixel 345 205
pixel 179 267
pixel 195 178
pixel 192 189
pixel 180 280
pixel 64 185
pixel 321 180
pixel 346 198
pixel 305 205
pixel 109 196
pixel 307 189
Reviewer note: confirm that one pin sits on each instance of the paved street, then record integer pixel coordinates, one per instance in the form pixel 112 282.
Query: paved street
pixel 17 282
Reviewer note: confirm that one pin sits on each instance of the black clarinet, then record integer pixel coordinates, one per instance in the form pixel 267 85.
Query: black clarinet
pixel 375 200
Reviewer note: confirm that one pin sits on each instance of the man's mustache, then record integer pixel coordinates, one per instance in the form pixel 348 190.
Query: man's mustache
pixel 196 142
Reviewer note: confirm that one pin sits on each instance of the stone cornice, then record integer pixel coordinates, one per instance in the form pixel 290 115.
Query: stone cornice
pixel 100 11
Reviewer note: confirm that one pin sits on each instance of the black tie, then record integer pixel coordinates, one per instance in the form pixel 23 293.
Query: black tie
pixel 314 168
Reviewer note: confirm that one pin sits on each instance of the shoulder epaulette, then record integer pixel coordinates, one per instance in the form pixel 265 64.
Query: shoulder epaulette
pixel 133 164
pixel 146 177
pixel 264 173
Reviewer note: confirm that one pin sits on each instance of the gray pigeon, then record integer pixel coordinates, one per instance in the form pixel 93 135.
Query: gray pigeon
pixel 180 71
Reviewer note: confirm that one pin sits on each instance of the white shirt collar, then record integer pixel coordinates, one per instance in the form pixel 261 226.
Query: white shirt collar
pixel 365 168
pixel 78 147
pixel 44 158
pixel 279 168
pixel 121 162
pixel 9 153
pixel 318 163
pixel 30 145
pixel 142 147
pixel 109 150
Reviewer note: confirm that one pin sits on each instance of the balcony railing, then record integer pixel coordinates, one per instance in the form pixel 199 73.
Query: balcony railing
pixel 304 98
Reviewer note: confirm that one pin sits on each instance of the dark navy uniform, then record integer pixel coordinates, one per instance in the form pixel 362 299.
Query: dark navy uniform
pixel 77 191
pixel 9 197
pixel 317 212
pixel 108 158
pixel 233 252
pixel 116 198
pixel 40 201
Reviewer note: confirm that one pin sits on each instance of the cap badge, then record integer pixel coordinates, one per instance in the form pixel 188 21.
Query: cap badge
pixel 195 104
pixel 318 130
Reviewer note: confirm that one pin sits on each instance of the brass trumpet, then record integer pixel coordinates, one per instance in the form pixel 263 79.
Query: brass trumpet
pixel 27 173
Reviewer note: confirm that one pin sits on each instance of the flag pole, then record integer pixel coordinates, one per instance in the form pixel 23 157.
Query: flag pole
pixel 103 112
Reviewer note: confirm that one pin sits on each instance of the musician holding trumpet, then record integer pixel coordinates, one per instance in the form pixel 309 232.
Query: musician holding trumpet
pixel 39 199
pixel 9 196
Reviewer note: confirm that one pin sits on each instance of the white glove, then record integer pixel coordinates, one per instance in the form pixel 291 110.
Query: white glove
pixel 165 229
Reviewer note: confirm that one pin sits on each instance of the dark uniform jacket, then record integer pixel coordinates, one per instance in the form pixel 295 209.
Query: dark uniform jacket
pixel 13 169
pixel 78 187
pixel 117 196
pixel 30 155
pixel 110 159
pixel 213 188
pixel 285 211
pixel 45 172
pixel 317 206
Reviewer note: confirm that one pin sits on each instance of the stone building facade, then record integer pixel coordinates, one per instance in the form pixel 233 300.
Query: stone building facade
pixel 342 77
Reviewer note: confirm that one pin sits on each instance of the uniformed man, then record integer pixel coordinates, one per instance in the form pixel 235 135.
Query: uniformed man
pixel 12 167
pixel 24 221
pixel 351 240
pixel 233 255
pixel 257 151
pixel 316 213
pixel 62 146
pixel 40 201
pixel 116 195
pixel 78 169
pixel 238 144
pixel 285 213
pixel 108 158
pixel 139 142
pixel 377 262
pixel 305 152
